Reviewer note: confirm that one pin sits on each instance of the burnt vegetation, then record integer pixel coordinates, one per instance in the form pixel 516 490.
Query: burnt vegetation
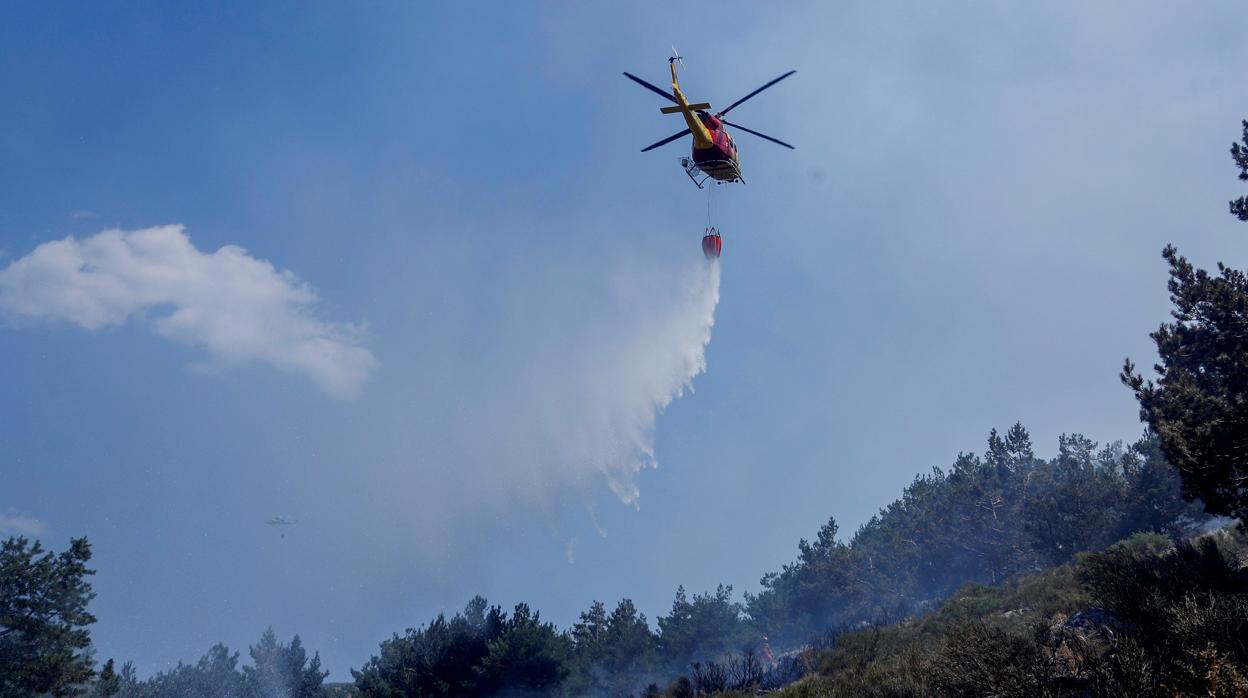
pixel 1096 572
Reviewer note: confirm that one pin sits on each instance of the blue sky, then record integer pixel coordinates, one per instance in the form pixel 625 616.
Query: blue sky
pixel 967 235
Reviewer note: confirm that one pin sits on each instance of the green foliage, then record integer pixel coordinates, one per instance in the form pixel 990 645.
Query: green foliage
pixel 527 658
pixel 1239 207
pixel 611 655
pixel 215 675
pixel 282 671
pixel 995 522
pixel 1142 581
pixel 985 521
pixel 44 619
pixel 987 660
pixel 1073 500
pixel 900 659
pixel 107 683
pixel 277 671
pixel 1199 404
pixel 479 652
pixel 880 661
pixel 1145 617
pixel 1002 519
pixel 1171 620
pixel 809 592
pixel 439 660
pixel 1153 501
pixel 708 627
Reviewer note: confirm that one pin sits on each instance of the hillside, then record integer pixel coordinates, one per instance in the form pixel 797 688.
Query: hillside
pixel 1145 617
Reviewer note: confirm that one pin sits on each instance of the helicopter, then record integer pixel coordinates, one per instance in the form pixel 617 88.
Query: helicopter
pixel 714 153
pixel 278 521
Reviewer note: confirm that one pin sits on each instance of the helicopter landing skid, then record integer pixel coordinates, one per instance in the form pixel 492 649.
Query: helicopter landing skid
pixel 722 171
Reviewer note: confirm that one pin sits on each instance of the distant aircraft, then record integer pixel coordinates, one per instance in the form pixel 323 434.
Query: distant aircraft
pixel 282 521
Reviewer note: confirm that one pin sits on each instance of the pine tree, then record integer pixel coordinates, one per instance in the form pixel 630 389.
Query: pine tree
pixel 587 635
pixel 215 675
pixel 629 647
pixel 1199 405
pixel 282 671
pixel 528 657
pixel 44 618
pixel 108 683
pixel 1239 207
pixel 707 627
pixel 440 659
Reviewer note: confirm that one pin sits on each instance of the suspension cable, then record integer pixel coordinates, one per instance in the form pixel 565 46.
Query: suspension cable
pixel 710 196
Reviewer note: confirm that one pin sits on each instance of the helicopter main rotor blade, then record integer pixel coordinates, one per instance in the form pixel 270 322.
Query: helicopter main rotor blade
pixel 760 135
pixel 650 87
pixel 737 103
pixel 669 139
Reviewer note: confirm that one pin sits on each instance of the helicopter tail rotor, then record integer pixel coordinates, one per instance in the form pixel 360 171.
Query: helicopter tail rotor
pixel 676 58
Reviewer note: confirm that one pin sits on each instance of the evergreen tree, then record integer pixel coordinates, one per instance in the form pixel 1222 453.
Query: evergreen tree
pixel 806 596
pixel 708 627
pixel 989 493
pixel 1072 506
pixel 628 650
pixel 1199 405
pixel 1239 207
pixel 588 638
pixel 612 655
pixel 108 683
pixel 216 675
pixel 588 634
pixel 282 671
pixel 1012 454
pixel 44 619
pixel 985 521
pixel 128 682
pixel 1152 499
pixel 527 658
pixel 438 660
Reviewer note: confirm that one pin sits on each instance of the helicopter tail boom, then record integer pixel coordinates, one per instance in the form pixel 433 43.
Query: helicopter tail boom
pixel 701 136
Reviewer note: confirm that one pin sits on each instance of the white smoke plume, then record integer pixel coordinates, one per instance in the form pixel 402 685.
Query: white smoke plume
pixel 236 307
